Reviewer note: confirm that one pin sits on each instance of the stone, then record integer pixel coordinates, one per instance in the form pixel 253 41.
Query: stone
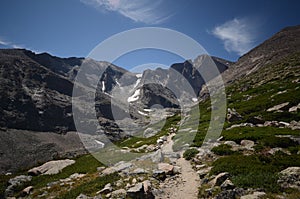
pixel 16 182
pixel 157 156
pixel 134 181
pixel 159 175
pixel 167 168
pixel 227 185
pixel 240 125
pixel 255 195
pixel 290 178
pixel 277 149
pixel 200 166
pixel 231 143
pixel 147 186
pixel 120 193
pixel 248 144
pixel 122 166
pixel 230 194
pixel 108 171
pixel 271 123
pixel 219 179
pixel 278 107
pixel 141 191
pixel 26 191
pixel 107 189
pixel 160 141
pixel 138 171
pixel 76 176
pixel 294 108
pixel 176 170
pixel 233 115
pixel 51 167
pixel 137 191
pixel 294 125
pixel 99 169
pixel 82 196
pixel 203 172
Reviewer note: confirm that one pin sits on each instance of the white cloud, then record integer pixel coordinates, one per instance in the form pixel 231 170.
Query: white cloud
pixel 238 35
pixel 145 11
pixel 4 43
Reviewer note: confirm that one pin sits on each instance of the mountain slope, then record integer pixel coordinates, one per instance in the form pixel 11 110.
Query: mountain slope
pixel 279 46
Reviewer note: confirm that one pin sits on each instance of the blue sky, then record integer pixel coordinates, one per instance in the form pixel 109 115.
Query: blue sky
pixel 225 28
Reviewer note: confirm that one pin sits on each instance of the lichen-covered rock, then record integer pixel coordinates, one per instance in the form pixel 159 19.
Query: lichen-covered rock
pixel 51 167
pixel 290 178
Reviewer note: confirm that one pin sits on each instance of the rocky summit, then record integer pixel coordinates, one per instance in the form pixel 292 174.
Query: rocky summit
pixel 257 154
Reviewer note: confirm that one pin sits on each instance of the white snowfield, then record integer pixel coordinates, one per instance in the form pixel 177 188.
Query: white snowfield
pixel 135 96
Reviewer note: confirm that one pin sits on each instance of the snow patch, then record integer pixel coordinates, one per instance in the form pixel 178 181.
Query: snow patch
pixel 135 96
pixel 194 99
pixel 137 83
pixel 139 75
pixel 103 86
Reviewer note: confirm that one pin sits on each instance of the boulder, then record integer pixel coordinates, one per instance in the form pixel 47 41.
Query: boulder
pixel 138 171
pixel 271 123
pixel 230 194
pixel 294 108
pixel 203 172
pixel 157 156
pixel 290 178
pixel 167 168
pixel 220 178
pixel 159 175
pixel 26 191
pixel 277 149
pixel 176 170
pixel 136 192
pixel 107 189
pixel 255 195
pixel 294 125
pixel 51 167
pixel 233 115
pixel 82 196
pixel 227 185
pixel 16 182
pixel 278 107
pixel 231 143
pixel 141 191
pixel 122 166
pixel 248 144
pixel 108 171
pixel 120 193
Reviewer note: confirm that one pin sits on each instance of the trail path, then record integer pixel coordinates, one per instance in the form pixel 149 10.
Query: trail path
pixel 185 186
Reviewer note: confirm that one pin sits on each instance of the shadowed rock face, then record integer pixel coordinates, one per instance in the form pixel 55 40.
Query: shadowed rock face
pixel 156 94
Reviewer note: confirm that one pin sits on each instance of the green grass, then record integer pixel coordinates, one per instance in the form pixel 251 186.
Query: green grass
pixel 256 133
pixel 91 187
pixel 255 171
pixel 223 149
pixel 84 164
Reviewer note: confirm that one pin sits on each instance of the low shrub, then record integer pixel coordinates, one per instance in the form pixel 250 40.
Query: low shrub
pixel 223 149
pixel 190 153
